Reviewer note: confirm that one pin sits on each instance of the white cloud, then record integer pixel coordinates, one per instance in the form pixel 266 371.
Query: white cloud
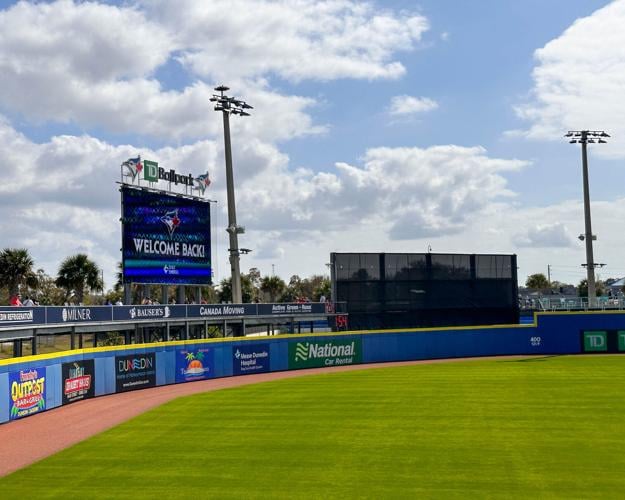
pixel 579 81
pixel 404 105
pixel 554 235
pixel 425 192
pixel 296 39
pixel 408 193
pixel 97 65
pixel 89 41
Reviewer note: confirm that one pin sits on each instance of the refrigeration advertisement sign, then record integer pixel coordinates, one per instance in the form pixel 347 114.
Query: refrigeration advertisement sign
pixel 166 238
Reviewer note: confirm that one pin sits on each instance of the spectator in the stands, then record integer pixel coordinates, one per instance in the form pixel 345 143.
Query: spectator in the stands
pixel 16 300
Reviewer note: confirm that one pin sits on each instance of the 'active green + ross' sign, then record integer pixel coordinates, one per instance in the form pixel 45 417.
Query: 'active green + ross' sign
pixel 325 353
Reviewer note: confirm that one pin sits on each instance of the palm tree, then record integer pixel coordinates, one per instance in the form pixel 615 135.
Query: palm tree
pixel 16 269
pixel 119 278
pixel 247 289
pixel 77 273
pixel 273 285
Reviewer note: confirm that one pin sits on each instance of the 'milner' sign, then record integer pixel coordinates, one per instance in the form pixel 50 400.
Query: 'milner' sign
pixel 153 173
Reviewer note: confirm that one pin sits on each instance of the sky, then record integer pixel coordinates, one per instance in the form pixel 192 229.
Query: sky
pixel 392 126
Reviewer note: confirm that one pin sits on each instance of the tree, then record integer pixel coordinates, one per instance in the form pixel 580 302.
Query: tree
pixel 48 293
pixel 311 288
pixel 119 278
pixel 16 269
pixel 582 288
pixel 225 289
pixel 272 285
pixel 322 287
pixel 78 273
pixel 254 276
pixel 294 289
pixel 537 282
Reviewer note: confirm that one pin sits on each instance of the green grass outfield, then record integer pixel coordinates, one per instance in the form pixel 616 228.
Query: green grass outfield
pixel 549 427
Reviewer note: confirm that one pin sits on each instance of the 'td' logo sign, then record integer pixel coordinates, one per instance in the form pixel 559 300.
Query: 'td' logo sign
pixel 595 341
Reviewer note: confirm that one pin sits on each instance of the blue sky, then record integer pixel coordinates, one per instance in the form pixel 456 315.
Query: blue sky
pixel 470 159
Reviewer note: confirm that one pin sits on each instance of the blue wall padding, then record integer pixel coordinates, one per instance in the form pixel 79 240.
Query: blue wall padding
pixel 557 333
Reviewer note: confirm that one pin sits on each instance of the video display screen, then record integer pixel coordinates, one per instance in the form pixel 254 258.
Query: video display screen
pixel 166 238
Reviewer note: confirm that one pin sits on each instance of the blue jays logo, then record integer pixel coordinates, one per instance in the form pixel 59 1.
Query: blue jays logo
pixel 171 220
pixel 202 182
pixel 134 166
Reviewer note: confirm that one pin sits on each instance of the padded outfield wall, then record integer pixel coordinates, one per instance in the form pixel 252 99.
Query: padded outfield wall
pixel 34 384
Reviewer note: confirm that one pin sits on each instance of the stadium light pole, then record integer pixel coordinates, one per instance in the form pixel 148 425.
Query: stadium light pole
pixel 585 137
pixel 227 106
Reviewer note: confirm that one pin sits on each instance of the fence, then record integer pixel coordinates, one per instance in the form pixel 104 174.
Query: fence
pixel 34 384
pixel 567 303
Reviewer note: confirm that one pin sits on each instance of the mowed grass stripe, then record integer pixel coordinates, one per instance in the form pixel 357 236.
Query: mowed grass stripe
pixel 546 428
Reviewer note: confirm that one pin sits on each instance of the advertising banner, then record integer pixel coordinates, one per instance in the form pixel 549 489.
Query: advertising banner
pixel 135 372
pixel 78 314
pixel 595 341
pixel 250 358
pixel 194 364
pixel 305 308
pixel 166 238
pixel 221 310
pixel 155 312
pixel 78 380
pixel 325 353
pixel 27 392
pixel 22 316
pixel 621 340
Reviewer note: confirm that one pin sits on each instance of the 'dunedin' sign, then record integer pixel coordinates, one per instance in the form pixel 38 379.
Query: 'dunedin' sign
pixel 325 353
pixel 136 371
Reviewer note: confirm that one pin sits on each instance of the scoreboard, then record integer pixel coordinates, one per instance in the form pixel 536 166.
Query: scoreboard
pixel 165 238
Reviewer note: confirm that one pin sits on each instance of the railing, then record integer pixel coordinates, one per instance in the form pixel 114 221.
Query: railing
pixel 54 316
pixel 543 303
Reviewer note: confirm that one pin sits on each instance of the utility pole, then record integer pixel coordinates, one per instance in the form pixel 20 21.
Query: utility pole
pixel 549 274
pixel 584 137
pixel 230 105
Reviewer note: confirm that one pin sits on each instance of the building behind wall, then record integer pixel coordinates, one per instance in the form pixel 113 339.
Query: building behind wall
pixel 410 290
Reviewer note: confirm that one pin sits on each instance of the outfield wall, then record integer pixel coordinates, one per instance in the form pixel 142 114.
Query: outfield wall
pixel 33 384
